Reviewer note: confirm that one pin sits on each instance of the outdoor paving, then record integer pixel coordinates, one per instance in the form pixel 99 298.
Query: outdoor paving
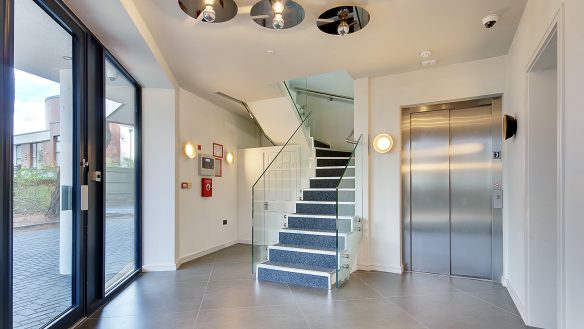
pixel 40 292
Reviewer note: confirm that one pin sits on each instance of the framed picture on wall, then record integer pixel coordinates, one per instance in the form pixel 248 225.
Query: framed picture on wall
pixel 218 150
pixel 218 167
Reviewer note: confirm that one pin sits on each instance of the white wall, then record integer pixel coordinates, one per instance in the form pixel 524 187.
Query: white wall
pixel 386 96
pixel 537 18
pixel 542 198
pixel 200 219
pixel 573 164
pixel 331 122
pixel 159 176
pixel 277 117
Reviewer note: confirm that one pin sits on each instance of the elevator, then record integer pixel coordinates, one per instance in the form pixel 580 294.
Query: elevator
pixel 451 189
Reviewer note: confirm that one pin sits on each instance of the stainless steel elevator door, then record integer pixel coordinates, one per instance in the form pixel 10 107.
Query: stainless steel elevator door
pixel 430 198
pixel 471 205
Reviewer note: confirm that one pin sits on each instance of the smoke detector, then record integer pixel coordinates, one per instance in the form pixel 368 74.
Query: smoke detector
pixel 426 53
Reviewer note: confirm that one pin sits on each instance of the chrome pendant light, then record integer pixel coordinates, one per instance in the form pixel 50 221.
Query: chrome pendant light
pixel 209 11
pixel 277 14
pixel 343 20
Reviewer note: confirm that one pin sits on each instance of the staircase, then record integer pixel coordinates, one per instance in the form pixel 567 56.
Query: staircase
pixel 306 254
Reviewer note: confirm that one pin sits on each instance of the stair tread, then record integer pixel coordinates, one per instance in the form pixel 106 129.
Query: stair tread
pixel 318 216
pixel 310 230
pixel 300 267
pixel 294 246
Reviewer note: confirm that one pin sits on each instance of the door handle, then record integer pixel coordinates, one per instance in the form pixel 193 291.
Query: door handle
pixel 84 197
pixel 95 176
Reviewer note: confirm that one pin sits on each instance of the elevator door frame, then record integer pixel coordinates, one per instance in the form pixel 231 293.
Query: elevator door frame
pixel 495 101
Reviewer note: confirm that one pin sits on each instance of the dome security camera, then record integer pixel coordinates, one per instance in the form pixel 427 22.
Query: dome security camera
pixel 490 20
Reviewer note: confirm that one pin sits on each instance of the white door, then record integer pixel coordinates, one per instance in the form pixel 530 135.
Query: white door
pixel 281 186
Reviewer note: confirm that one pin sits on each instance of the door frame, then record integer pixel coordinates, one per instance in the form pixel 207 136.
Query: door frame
pixel 6 123
pixel 495 100
pixel 555 27
pixel 87 97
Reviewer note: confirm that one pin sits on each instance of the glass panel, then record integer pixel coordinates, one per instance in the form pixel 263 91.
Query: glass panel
pixel 278 188
pixel 120 176
pixel 349 216
pixel 43 185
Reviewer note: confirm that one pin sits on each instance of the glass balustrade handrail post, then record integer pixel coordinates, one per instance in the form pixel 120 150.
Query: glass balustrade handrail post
pixel 347 238
pixel 281 149
pixel 264 226
pixel 294 101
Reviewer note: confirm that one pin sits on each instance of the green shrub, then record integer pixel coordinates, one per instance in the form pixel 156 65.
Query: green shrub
pixel 36 191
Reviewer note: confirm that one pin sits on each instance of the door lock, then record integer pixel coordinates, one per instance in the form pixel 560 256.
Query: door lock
pixel 95 176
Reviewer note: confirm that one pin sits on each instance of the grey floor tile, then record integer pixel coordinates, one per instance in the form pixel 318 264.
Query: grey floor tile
pixel 355 289
pixel 499 298
pixel 358 314
pixel 238 253
pixel 281 317
pixel 232 271
pixel 457 310
pixel 140 299
pixel 183 320
pixel 407 284
pixel 219 291
pixel 246 293
pixel 489 291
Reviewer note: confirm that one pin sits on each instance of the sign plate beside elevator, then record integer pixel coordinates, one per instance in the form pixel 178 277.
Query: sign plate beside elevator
pixel 498 198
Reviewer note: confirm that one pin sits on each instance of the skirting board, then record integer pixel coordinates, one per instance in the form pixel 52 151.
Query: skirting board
pixel 159 268
pixel 520 307
pixel 388 269
pixel 196 255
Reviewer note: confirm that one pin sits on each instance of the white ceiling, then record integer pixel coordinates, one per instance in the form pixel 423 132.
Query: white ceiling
pixel 231 57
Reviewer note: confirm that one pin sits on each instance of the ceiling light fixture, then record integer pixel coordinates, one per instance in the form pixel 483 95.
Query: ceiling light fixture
pixel 277 14
pixel 343 20
pixel 209 11
pixel 209 14
pixel 278 21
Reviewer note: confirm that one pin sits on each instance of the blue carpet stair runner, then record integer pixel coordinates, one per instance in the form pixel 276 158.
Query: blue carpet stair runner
pixel 306 253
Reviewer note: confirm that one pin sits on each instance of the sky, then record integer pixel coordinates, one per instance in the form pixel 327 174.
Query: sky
pixel 29 103
pixel 31 91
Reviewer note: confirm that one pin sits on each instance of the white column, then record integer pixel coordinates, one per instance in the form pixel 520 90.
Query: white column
pixel 361 122
pixel 160 151
pixel 66 172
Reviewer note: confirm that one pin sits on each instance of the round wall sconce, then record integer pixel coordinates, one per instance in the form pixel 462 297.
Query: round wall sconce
pixel 229 157
pixel 277 14
pixel 190 150
pixel 383 143
pixel 509 126
pixel 209 11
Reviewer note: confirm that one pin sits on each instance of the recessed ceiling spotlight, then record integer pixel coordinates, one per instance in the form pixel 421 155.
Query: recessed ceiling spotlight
pixel 277 14
pixel 429 62
pixel 270 52
pixel 209 11
pixel 343 20
pixel 426 53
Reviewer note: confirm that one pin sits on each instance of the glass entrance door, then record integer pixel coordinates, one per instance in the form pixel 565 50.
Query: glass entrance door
pixel 46 175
